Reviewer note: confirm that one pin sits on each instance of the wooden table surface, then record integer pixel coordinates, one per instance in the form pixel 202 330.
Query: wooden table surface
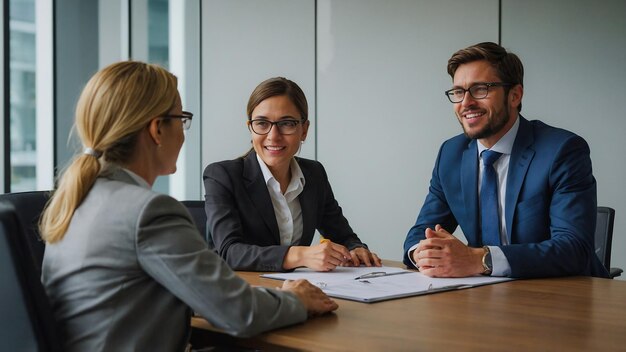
pixel 558 314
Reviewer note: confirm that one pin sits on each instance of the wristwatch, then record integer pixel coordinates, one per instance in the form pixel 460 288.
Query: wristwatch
pixel 487 265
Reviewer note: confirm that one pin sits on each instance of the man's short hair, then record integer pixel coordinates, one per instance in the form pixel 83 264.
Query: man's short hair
pixel 508 66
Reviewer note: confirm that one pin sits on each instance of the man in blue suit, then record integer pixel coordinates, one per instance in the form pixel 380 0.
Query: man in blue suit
pixel 523 192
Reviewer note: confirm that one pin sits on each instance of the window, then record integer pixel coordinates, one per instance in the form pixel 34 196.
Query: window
pixel 167 33
pixel 30 91
pixel 23 126
pixel 158 53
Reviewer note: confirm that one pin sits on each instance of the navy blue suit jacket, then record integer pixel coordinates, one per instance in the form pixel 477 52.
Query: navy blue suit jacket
pixel 550 205
pixel 241 218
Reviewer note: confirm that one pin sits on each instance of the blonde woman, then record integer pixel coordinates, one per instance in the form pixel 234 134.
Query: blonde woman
pixel 123 264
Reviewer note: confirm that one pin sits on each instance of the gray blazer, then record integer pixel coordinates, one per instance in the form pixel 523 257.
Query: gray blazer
pixel 131 265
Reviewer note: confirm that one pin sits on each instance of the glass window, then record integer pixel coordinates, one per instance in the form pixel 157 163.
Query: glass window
pixel 23 125
pixel 158 32
pixel 158 53
pixel 167 33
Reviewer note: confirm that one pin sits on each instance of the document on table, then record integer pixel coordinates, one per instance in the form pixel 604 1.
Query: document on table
pixel 375 284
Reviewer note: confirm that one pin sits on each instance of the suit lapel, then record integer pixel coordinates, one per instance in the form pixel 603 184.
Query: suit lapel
pixel 259 195
pixel 469 188
pixel 521 156
pixel 307 204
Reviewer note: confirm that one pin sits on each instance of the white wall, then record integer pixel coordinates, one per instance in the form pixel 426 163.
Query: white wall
pixel 375 71
pixel 244 43
pixel 382 114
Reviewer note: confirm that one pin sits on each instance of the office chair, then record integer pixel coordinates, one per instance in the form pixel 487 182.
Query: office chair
pixel 26 319
pixel 604 238
pixel 196 208
pixel 28 207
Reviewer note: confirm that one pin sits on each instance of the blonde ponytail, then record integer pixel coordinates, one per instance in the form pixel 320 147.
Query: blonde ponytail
pixel 74 185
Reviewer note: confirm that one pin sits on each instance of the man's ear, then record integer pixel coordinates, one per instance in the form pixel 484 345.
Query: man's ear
pixel 515 95
pixel 154 128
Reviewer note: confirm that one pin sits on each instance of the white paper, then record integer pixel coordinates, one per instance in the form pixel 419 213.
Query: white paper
pixel 341 282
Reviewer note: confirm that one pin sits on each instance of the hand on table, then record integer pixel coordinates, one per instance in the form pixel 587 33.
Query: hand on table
pixel 443 255
pixel 313 298
pixel 322 257
pixel 363 256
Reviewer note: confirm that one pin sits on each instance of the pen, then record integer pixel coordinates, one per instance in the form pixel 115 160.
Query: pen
pixel 448 288
pixel 379 274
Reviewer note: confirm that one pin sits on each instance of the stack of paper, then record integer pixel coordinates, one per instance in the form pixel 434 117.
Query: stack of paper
pixel 374 284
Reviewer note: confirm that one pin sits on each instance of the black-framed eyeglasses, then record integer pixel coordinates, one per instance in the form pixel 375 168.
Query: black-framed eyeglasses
pixel 262 126
pixel 185 117
pixel 477 91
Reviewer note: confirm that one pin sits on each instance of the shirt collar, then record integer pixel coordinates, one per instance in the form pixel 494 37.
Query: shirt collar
pixel 140 181
pixel 505 144
pixel 296 173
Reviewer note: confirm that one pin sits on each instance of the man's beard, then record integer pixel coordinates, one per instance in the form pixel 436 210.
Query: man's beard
pixel 493 126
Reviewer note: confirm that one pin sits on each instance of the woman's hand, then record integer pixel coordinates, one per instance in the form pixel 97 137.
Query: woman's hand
pixel 363 256
pixel 322 257
pixel 313 298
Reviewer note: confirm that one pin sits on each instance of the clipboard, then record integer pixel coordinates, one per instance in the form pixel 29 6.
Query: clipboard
pixel 362 285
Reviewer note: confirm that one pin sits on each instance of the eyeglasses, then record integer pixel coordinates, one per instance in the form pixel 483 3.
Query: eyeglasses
pixel 477 91
pixel 262 127
pixel 185 117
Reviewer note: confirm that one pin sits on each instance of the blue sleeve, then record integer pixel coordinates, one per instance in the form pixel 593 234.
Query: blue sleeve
pixel 434 211
pixel 569 241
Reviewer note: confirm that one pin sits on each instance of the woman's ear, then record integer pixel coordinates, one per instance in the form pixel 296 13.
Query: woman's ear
pixel 305 130
pixel 154 129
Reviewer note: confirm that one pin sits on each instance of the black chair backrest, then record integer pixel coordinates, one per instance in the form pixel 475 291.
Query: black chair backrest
pixel 28 206
pixel 196 208
pixel 26 319
pixel 604 235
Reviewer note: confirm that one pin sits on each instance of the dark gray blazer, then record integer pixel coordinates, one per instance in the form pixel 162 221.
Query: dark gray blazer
pixel 132 263
pixel 241 219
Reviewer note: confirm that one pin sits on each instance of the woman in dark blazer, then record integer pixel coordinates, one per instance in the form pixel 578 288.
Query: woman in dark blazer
pixel 264 207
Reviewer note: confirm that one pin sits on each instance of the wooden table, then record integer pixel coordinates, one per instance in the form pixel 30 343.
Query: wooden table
pixel 559 314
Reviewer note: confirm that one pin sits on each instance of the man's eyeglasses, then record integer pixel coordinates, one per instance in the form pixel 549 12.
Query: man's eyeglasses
pixel 477 91
pixel 185 117
pixel 262 127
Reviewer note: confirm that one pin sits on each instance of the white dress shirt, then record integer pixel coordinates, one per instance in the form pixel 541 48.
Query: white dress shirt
pixel 286 206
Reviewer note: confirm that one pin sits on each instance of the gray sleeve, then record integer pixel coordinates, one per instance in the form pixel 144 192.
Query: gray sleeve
pixel 171 251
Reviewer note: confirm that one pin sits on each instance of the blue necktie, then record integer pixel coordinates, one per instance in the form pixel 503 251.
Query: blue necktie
pixel 489 217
